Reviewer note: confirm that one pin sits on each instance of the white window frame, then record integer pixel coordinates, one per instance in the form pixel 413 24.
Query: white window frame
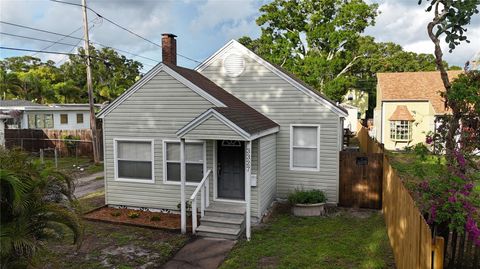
pixel 115 163
pixel 164 160
pixel 293 168
pixel 394 123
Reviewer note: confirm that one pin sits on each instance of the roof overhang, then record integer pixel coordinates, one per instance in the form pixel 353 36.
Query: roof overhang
pixel 150 74
pixel 213 113
pixel 235 44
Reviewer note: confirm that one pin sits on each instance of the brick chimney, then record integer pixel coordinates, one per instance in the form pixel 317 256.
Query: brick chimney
pixel 169 48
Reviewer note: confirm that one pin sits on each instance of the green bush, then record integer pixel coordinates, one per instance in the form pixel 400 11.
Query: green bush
pixel 116 213
pixel 307 197
pixel 155 218
pixel 133 215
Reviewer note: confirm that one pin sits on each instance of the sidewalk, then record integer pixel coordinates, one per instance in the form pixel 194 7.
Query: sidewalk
pixel 88 184
pixel 204 253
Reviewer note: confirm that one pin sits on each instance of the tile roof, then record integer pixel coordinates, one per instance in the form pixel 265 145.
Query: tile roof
pixel 424 86
pixel 13 103
pixel 401 113
pixel 243 115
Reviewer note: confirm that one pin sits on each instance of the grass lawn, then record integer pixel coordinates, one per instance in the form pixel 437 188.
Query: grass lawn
pixel 111 246
pixel 66 164
pixel 344 239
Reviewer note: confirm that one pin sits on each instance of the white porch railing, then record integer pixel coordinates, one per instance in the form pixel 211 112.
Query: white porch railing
pixel 204 199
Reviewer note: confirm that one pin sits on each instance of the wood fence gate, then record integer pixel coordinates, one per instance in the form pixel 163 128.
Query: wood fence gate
pixel 361 177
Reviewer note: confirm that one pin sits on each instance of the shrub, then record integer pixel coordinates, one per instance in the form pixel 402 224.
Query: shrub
pixel 155 218
pixel 133 215
pixel 116 213
pixel 307 197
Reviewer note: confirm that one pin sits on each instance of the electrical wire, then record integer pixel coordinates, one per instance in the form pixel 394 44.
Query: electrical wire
pixel 123 28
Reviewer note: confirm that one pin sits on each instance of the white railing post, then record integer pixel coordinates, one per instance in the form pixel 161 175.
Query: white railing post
pixel 207 192
pixel 202 201
pixel 183 208
pixel 194 215
pixel 248 170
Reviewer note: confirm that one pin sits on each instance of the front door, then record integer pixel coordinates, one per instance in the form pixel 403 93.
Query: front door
pixel 231 170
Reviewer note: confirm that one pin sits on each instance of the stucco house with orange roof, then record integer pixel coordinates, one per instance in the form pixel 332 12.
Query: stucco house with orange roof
pixel 409 105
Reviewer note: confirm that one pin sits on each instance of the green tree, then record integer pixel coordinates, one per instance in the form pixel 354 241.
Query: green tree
pixel 36 203
pixel 112 73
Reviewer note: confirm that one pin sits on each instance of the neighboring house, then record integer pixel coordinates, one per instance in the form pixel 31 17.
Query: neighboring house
pixel 262 132
pixel 409 106
pixel 351 122
pixel 358 99
pixel 28 115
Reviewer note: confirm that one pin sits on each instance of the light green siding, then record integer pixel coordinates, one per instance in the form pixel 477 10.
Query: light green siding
pixel 280 101
pixel 267 176
pixel 212 128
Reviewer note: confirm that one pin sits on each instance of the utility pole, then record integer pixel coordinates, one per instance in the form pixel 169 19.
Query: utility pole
pixel 93 124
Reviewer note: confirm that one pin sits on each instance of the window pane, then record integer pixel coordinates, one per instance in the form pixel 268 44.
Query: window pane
pixel 194 172
pixel 135 169
pixel 31 121
pixel 194 152
pixel 79 118
pixel 305 136
pixel 134 150
pixel 173 151
pixel 63 118
pixel 48 120
pixel 173 171
pixel 39 119
pixel 305 158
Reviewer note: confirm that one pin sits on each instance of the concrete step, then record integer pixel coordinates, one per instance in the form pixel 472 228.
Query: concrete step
pixel 225 209
pixel 231 221
pixel 218 232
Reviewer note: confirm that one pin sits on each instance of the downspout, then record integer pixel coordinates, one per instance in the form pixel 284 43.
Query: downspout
pixel 248 171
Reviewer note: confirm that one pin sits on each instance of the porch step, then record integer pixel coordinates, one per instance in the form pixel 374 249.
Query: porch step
pixel 218 232
pixel 233 221
pixel 222 220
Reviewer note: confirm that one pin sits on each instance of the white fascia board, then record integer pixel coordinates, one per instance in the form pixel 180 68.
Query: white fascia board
pixel 152 73
pixel 235 44
pixel 265 133
pixel 205 116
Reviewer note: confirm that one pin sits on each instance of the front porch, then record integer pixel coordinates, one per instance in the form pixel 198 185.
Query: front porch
pixel 229 211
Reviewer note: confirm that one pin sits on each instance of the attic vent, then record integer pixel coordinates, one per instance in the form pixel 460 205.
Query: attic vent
pixel 234 65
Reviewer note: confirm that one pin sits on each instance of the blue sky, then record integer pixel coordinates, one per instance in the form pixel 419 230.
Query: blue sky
pixel 202 27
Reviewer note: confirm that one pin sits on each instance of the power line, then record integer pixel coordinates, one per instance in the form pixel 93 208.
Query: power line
pixel 39 51
pixel 38 39
pixel 77 38
pixel 123 28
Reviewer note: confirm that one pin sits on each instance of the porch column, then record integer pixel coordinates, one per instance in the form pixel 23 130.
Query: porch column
pixel 183 208
pixel 248 170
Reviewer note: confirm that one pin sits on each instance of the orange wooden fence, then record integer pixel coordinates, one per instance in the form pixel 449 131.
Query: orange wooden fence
pixel 409 234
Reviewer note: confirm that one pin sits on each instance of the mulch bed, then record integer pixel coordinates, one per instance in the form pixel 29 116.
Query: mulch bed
pixel 157 220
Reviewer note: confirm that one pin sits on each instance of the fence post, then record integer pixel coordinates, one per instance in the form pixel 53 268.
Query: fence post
pixel 56 157
pixel 41 156
pixel 438 252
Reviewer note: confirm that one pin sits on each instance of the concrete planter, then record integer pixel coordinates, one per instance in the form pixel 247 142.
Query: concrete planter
pixel 308 210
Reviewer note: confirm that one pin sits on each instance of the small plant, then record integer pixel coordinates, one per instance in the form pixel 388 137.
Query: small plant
pixel 133 215
pixel 155 218
pixel 307 197
pixel 188 205
pixel 116 213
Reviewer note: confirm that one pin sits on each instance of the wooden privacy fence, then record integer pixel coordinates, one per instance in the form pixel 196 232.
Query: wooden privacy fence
pixel 80 142
pixel 461 252
pixel 409 234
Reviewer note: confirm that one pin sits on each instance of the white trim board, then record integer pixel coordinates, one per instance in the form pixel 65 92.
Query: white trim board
pixel 292 168
pixel 213 113
pixel 115 160
pixel 236 45
pixel 164 160
pixel 150 75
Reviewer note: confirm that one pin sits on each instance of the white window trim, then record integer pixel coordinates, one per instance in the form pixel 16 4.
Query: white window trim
pixel 318 148
pixel 164 160
pixel 115 163
pixel 409 131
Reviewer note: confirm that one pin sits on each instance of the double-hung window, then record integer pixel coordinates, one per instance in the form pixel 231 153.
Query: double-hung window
pixel 194 161
pixel 134 160
pixel 40 121
pixel 305 147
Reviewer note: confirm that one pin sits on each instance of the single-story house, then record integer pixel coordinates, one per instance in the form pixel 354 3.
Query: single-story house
pixel 230 136
pixel 351 122
pixel 29 115
pixel 409 106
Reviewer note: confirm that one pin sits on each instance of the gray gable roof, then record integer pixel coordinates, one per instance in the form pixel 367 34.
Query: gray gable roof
pixel 15 103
